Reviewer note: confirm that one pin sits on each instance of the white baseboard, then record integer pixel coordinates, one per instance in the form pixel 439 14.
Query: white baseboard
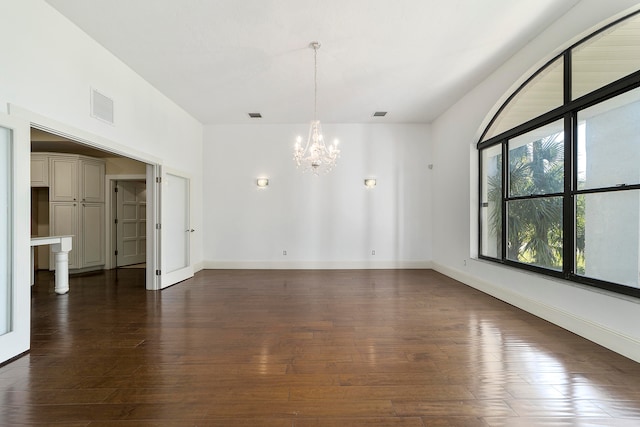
pixel 313 265
pixel 606 337
pixel 198 266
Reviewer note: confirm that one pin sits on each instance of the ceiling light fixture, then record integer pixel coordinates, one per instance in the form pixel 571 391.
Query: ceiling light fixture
pixel 315 155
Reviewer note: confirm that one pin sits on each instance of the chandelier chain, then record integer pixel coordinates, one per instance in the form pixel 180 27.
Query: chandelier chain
pixel 315 81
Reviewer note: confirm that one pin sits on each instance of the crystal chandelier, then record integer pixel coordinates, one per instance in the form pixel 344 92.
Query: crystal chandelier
pixel 315 155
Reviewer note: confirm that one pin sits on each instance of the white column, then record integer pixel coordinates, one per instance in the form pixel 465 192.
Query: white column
pixel 61 253
pixel 60 246
pixel 62 272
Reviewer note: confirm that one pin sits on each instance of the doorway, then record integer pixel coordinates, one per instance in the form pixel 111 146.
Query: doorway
pixel 129 223
pixel 114 166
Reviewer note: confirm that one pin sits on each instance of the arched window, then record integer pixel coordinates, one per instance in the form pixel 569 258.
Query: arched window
pixel 560 166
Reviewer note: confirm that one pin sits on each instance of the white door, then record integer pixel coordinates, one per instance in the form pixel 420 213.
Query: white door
pixel 15 289
pixel 131 228
pixel 175 226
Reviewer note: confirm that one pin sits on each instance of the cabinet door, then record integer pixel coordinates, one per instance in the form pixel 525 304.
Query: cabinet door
pixel 63 220
pixel 92 234
pixel 64 179
pixel 92 181
pixel 39 170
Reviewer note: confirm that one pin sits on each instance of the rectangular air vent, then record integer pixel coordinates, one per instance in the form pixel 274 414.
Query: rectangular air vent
pixel 379 114
pixel 101 106
pixel 255 115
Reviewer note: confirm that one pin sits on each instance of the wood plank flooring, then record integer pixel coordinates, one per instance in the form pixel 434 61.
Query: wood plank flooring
pixel 305 349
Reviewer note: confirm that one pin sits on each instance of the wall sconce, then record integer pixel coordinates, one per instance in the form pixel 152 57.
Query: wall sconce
pixel 262 182
pixel 370 182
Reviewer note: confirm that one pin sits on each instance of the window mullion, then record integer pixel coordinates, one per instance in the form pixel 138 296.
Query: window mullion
pixel 570 176
pixel 567 82
pixel 568 205
pixel 505 194
pixel 481 224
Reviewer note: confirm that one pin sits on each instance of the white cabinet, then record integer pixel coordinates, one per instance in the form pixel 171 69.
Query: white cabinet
pixel 63 220
pixel 91 234
pixel 76 178
pixel 76 206
pixel 91 180
pixel 64 178
pixel 85 222
pixel 39 170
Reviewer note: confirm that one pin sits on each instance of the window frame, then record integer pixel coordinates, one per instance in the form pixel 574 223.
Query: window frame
pixel 569 113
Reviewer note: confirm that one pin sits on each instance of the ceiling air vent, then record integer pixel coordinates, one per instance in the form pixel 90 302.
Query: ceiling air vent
pixel 379 114
pixel 255 115
pixel 101 107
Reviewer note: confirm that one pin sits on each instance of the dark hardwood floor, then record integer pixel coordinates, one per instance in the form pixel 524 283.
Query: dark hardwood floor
pixel 305 348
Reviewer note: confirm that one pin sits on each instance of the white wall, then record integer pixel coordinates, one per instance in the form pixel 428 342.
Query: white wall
pixel 606 318
pixel 124 166
pixel 48 67
pixel 327 221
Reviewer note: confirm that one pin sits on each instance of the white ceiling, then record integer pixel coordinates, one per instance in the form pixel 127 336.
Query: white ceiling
pixel 222 59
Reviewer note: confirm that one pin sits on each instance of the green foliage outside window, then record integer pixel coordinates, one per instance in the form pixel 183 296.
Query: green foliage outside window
pixel 534 225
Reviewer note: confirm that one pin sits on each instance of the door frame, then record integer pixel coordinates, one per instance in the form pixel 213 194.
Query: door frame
pixel 153 163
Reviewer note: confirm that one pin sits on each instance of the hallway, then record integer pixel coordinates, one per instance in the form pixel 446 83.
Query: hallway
pixel 305 348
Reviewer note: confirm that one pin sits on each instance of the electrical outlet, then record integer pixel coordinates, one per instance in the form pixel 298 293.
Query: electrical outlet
pixel 284 252
pixel 464 262
pixel 373 252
